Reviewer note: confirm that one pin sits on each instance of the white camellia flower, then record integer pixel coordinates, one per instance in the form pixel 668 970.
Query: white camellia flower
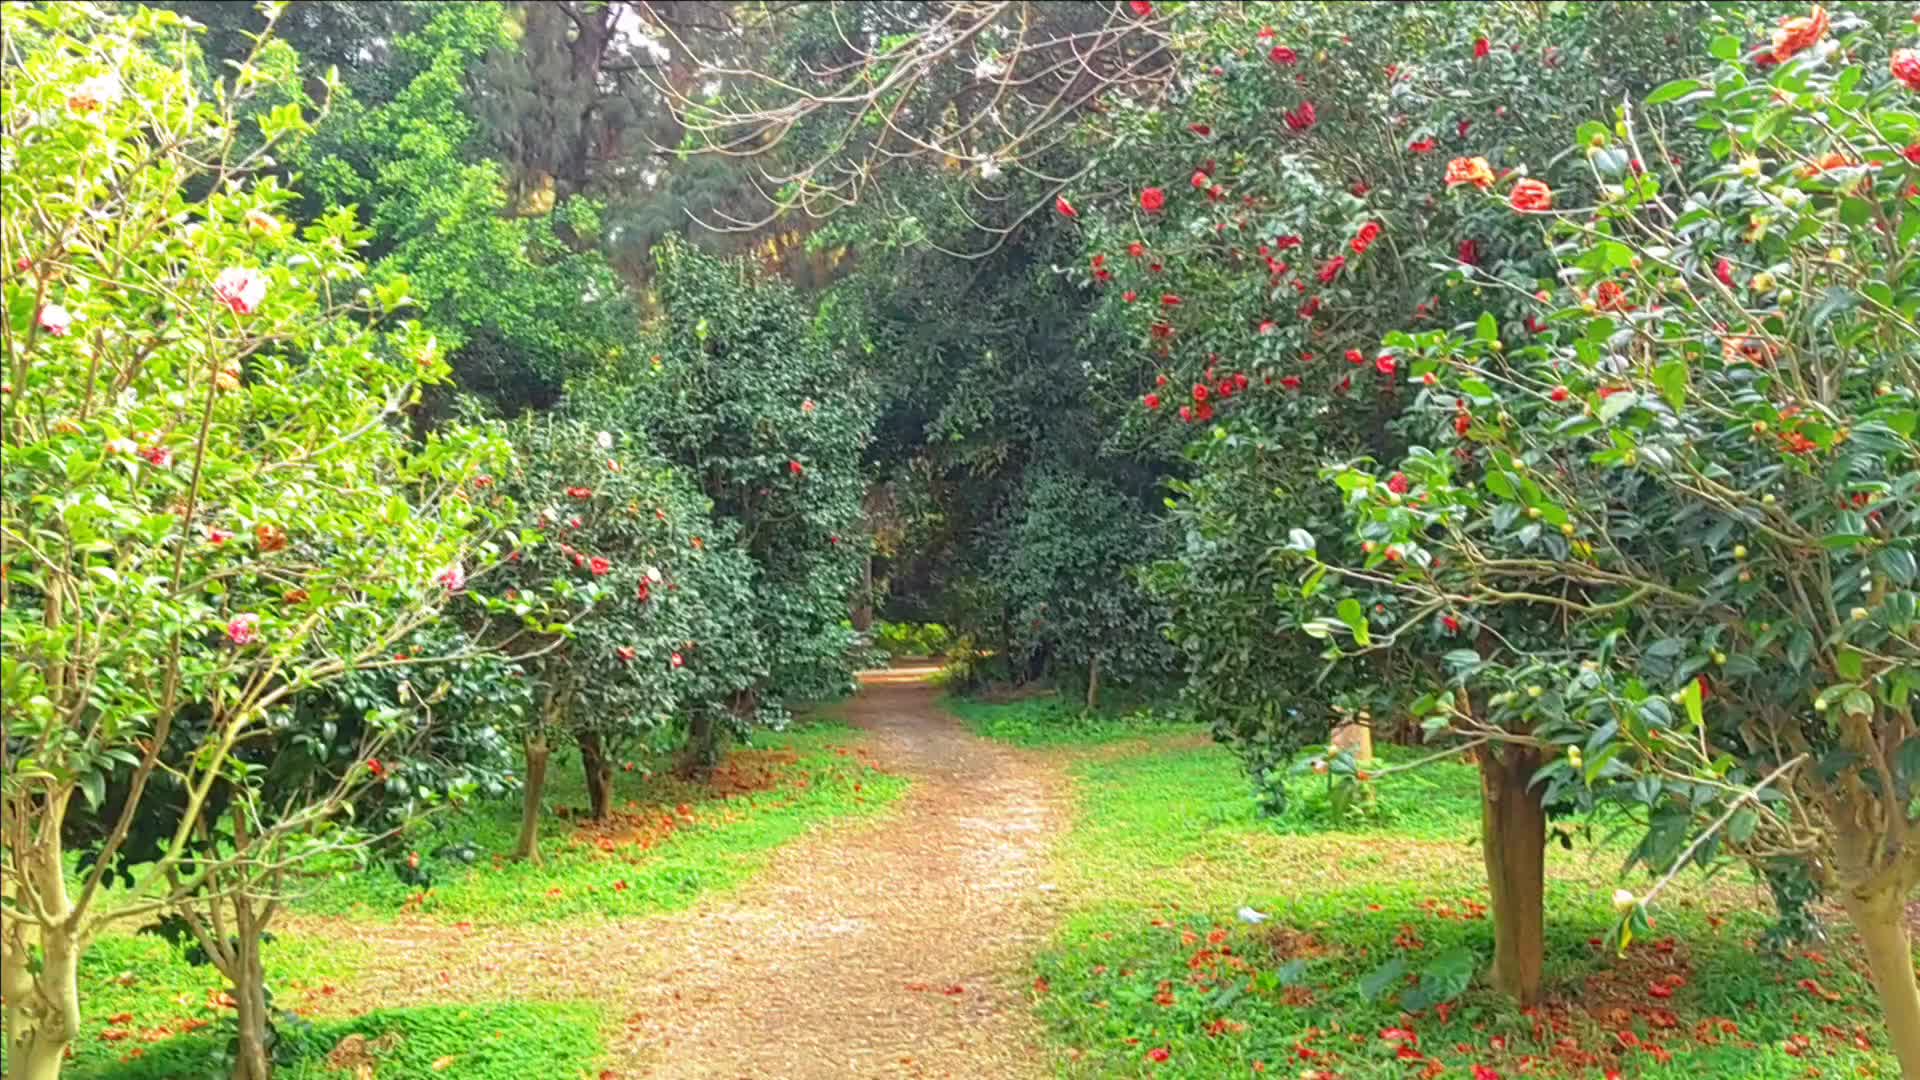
pixel 1248 915
pixel 1623 900
pixel 605 439
pixel 653 574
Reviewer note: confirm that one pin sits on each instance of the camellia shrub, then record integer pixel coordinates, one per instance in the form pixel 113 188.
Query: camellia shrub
pixel 1675 529
pixel 619 541
pixel 742 391
pixel 211 509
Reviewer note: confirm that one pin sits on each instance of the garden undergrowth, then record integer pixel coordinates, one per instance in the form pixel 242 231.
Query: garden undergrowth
pixel 667 843
pixel 1053 720
pixel 1154 973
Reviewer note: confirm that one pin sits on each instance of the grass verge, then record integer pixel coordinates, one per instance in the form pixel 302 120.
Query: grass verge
pixel 1051 721
pixel 1154 974
pixel 666 844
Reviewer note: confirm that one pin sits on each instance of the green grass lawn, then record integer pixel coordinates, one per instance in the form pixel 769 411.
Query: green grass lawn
pixel 1053 720
pixel 668 842
pixel 1152 958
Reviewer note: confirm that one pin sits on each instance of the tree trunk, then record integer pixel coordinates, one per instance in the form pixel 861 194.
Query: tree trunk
pixel 528 846
pixel 43 1022
pixel 1093 683
pixel 696 759
pixel 252 1060
pixel 593 759
pixel 1881 919
pixel 1513 838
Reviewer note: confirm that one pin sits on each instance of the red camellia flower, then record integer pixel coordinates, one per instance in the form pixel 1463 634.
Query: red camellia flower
pixel 626 653
pixel 1473 171
pixel 1201 130
pixel 1285 242
pixel 1481 47
pixel 1199 180
pixel 1152 402
pixel 1152 200
pixel 1291 382
pixel 677 660
pixel 1200 391
pixel 1169 300
pixel 1470 252
pixel 1158 1054
pixel 1302 118
pixel 1283 56
pixel 1397 483
pixel 1559 393
pixel 1364 240
pixel 1799 33
pixel 1141 8
pixel 1204 413
pixel 1385 364
pixel 1240 380
pixel 599 565
pixel 1331 269
pixel 795 468
pixel 1611 296
pixel 1451 623
pixel 1356 357
pixel 1906 68
pixel 1463 422
pixel 1136 249
pixel 1311 308
pixel 1724 271
pixel 373 766
pixel 1912 152
pixel 1159 380
pixel 1531 195
pixel 1535 325
pixel 579 493
pixel 1186 413
pixel 1423 146
pixel 1485 1072
pixel 1129 296
pixel 1066 209
pixel 1461 128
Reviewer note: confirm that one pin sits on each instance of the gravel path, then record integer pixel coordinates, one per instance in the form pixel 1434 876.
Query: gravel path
pixel 890 948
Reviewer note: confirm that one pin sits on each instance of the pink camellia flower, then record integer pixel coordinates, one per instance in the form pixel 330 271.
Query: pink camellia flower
pixel 599 565
pixel 626 653
pixel 453 578
pixel 217 536
pixel 1906 67
pixel 808 406
pixel 677 660
pixel 55 320
pixel 244 629
pixel 241 290
pixel 158 456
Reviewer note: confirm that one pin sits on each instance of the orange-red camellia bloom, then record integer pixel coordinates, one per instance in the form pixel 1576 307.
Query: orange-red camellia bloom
pixel 1473 171
pixel 1799 33
pixel 1531 195
pixel 1906 67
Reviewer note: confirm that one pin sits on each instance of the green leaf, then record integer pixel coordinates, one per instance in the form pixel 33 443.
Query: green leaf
pixel 1673 91
pixel 1617 404
pixel 1380 979
pixel 1690 699
pixel 1671 377
pixel 1488 328
pixel 1857 702
pixel 1724 47
pixel 1355 616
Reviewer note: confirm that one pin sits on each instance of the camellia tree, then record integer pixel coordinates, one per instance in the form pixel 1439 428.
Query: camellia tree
pixel 742 391
pixel 619 540
pixel 1676 530
pixel 210 509
pixel 1071 552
